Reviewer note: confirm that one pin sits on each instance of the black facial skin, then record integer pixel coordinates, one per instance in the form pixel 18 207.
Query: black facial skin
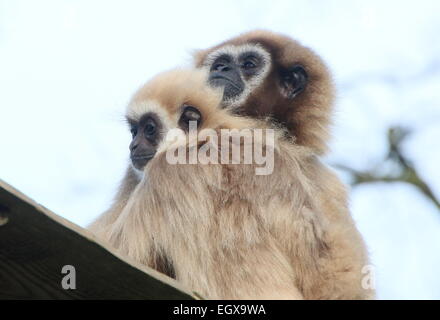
pixel 146 136
pixel 232 74
pixel 225 72
pixel 189 113
pixel 293 80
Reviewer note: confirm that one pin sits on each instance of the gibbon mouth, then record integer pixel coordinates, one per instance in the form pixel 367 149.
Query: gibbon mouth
pixel 231 88
pixel 139 161
pixel 140 157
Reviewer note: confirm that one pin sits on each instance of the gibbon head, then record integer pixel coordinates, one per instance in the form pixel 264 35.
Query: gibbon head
pixel 265 74
pixel 170 101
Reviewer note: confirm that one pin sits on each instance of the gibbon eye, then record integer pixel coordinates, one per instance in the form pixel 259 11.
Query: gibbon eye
pixel 150 127
pixel 190 113
pixel 249 65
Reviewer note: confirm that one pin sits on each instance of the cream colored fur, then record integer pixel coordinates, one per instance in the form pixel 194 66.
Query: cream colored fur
pixel 228 233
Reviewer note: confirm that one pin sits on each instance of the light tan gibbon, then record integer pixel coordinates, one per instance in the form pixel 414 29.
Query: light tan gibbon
pixel 221 229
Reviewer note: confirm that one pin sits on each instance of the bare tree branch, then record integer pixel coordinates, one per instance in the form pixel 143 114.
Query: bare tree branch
pixel 407 172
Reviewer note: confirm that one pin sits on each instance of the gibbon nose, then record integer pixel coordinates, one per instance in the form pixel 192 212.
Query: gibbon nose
pixel 139 142
pixel 140 148
pixel 222 67
pixel 133 145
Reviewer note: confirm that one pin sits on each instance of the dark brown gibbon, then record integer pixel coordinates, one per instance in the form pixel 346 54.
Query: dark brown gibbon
pixel 273 77
pixel 269 75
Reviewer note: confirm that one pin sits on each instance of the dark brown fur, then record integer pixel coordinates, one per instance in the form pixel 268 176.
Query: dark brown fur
pixel 307 116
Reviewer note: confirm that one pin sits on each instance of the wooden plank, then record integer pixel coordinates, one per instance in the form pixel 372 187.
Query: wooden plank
pixel 35 244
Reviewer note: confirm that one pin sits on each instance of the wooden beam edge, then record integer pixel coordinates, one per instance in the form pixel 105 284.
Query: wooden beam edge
pixel 92 238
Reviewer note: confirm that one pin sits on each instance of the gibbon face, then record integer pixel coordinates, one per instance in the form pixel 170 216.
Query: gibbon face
pixel 242 69
pixel 265 74
pixel 170 101
pixel 148 132
pixel 237 70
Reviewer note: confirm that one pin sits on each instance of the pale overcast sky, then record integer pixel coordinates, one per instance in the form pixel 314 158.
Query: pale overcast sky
pixel 68 68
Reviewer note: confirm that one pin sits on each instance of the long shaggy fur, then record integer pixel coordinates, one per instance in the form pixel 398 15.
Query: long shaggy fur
pixel 227 233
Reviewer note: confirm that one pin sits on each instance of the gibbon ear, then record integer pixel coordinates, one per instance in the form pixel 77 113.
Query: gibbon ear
pixel 293 81
pixel 189 113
